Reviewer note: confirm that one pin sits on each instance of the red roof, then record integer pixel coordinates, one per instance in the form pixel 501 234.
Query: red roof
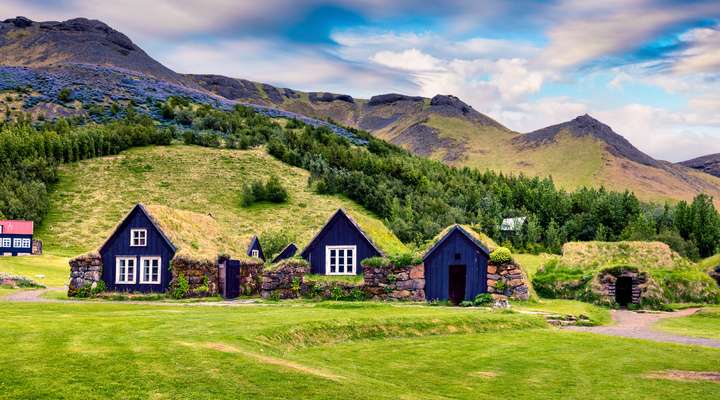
pixel 17 227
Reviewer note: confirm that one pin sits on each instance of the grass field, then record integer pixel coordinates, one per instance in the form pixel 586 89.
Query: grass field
pixel 705 323
pixel 326 351
pixel 94 195
pixel 597 315
pixel 55 268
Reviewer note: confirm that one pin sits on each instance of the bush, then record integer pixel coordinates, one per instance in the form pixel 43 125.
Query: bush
pixel 273 242
pixel 404 260
pixel 483 299
pixel 64 95
pixel 375 262
pixel 466 303
pixel 557 281
pixel 501 255
pixel 181 288
pixel 257 191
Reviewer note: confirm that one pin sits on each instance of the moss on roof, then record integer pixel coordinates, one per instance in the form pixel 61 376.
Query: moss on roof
pixel 484 239
pixel 596 255
pixel 376 231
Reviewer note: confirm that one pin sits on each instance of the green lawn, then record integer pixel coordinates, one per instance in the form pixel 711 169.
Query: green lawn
pixel 328 350
pixel 705 323
pixel 5 291
pixel 597 315
pixel 55 268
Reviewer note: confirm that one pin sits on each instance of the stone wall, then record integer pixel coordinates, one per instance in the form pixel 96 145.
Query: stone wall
pixel 644 289
pixel 85 270
pixel 196 272
pixel 285 280
pixel 715 274
pixel 393 282
pixel 251 277
pixel 37 247
pixel 511 277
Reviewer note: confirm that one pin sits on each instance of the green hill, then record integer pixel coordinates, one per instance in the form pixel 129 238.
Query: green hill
pixel 94 195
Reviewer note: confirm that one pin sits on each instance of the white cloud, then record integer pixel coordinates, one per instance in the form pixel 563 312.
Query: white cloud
pixel 703 53
pixel 408 60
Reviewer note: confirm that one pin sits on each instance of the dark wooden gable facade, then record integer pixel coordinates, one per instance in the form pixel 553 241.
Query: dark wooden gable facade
pixel 286 253
pixel 339 245
pixel 456 267
pixel 133 264
pixel 255 250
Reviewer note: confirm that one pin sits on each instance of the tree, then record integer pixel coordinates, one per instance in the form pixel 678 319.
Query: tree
pixel 705 225
pixel 641 228
pixel 274 191
pixel 553 238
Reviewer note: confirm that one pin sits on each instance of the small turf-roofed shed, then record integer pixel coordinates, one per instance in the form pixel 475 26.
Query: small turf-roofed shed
pixel 255 249
pixel 343 242
pixel 456 265
pixel 16 237
pixel 288 252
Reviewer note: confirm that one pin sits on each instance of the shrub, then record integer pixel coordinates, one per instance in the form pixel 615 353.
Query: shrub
pixel 466 303
pixel 501 286
pixel 64 95
pixel 257 191
pixel 375 262
pixel 274 241
pixel 483 299
pixel 501 255
pixel 181 288
pixel 404 260
pixel 557 281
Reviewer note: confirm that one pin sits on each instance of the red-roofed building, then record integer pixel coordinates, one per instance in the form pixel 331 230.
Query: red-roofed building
pixel 16 237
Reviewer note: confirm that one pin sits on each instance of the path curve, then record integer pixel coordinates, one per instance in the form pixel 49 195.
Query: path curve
pixel 31 295
pixel 636 325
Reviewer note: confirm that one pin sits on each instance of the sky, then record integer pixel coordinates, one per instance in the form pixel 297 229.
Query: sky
pixel 648 68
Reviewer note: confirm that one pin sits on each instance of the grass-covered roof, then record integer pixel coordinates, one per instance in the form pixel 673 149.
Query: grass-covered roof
pixel 480 237
pixel 598 255
pixel 374 230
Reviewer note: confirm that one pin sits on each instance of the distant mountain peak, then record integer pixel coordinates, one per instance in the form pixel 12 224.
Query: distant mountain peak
pixel 585 125
pixel 24 42
pixel 452 106
pixel 709 164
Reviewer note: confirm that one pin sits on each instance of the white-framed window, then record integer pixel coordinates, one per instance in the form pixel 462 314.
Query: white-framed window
pixel 26 243
pixel 6 242
pixel 255 253
pixel 138 237
pixel 150 269
pixel 125 270
pixel 340 260
pixel 17 242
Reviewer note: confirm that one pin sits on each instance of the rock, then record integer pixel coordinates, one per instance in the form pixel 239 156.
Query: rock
pixel 20 22
pixel 391 98
pixel 402 276
pixel 417 272
pixel 494 277
pixel 491 269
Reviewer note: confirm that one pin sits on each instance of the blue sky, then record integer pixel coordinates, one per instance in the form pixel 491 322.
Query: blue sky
pixel 648 68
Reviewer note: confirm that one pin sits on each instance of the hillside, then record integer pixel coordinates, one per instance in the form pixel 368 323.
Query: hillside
pixel 709 164
pixel 94 195
pixel 101 65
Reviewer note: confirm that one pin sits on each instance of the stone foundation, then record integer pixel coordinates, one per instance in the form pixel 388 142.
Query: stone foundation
pixel 285 280
pixel 513 279
pixel 715 274
pixel 85 271
pixel 395 283
pixel 644 288
pixel 197 272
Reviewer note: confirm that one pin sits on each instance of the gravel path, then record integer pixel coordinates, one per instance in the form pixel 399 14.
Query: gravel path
pixel 33 295
pixel 639 326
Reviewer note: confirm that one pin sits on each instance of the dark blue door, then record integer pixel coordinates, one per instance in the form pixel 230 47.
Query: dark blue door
pixel 232 279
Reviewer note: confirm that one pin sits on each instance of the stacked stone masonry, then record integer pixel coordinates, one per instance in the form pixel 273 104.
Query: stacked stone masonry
pixel 85 270
pixel 514 282
pixel 197 272
pixel 395 282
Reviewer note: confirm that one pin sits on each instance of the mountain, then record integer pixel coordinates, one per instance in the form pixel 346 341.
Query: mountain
pixel 709 164
pixel 101 64
pixel 83 41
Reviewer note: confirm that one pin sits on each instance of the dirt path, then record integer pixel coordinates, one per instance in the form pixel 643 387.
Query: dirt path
pixel 639 326
pixel 33 295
